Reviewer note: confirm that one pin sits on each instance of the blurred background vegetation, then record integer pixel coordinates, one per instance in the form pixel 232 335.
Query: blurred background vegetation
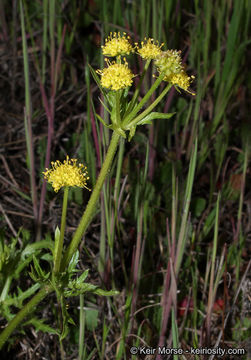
pixel 181 262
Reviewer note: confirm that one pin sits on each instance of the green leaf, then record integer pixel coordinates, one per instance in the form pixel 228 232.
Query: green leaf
pixel 106 108
pixel 73 262
pixel 47 257
pixel 97 80
pixel 33 275
pixel 154 115
pixel 41 326
pixel 105 292
pixel 209 222
pixel 82 277
pixel 111 97
pixel 77 288
pixel 38 275
pixel 103 122
pixel 17 300
pixel 114 116
pixel 38 269
pixel 32 248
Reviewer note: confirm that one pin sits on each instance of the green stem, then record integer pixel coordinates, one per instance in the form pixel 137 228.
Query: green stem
pixel 136 93
pixel 149 109
pixel 90 208
pixel 117 107
pixel 27 309
pixel 81 328
pixel 149 93
pixel 59 244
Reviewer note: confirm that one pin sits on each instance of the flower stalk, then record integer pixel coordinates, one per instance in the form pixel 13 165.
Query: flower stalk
pixel 59 244
pixel 90 208
pixel 150 108
pixel 131 116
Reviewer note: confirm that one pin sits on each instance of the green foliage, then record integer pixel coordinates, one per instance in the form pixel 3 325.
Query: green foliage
pixel 68 286
pixel 242 330
pixel 15 258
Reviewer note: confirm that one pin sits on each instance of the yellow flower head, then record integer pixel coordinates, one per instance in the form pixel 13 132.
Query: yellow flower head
pixel 182 80
pixel 150 50
pixel 169 62
pixel 116 76
pixel 68 173
pixel 116 45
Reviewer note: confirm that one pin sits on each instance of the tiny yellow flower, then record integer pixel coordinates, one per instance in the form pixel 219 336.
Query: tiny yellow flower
pixel 116 76
pixel 182 80
pixel 150 50
pixel 68 173
pixel 169 62
pixel 116 45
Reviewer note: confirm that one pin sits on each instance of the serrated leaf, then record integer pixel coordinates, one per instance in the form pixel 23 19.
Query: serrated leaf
pixel 154 115
pixel 38 268
pixel 74 290
pixel 41 326
pixel 82 277
pixel 40 274
pixel 87 287
pixel 33 275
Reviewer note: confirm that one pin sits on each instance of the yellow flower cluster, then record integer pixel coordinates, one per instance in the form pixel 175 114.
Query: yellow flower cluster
pixel 116 76
pixel 116 45
pixel 169 63
pixel 182 80
pixel 68 173
pixel 149 50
